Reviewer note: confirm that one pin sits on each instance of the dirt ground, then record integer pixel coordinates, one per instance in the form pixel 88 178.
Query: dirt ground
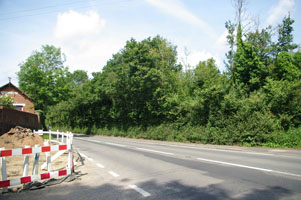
pixel 18 138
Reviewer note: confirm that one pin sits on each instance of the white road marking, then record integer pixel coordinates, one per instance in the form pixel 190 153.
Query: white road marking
pixel 208 149
pixel 249 167
pixel 100 165
pixel 83 155
pixel 114 144
pixel 150 150
pixel 141 191
pixel 113 173
pixel 188 147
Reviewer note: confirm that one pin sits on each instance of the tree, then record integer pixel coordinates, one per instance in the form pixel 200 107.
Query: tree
pixel 285 36
pixel 43 77
pixel 6 101
pixel 262 41
pixel 231 42
pixel 77 78
pixel 285 68
pixel 138 78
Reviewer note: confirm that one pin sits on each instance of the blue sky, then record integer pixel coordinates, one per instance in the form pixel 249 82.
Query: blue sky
pixel 90 31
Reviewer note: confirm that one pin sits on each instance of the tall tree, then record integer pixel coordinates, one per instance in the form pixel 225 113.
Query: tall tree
pixel 43 77
pixel 285 36
pixel 138 78
pixel 231 42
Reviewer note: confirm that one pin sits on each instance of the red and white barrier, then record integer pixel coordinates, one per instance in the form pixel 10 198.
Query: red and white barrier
pixel 61 148
pixel 31 150
pixel 37 177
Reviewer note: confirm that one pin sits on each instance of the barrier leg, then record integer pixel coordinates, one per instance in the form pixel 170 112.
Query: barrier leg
pixel 49 136
pixel 26 163
pixel 35 168
pixel 70 160
pixel 3 170
pixel 48 157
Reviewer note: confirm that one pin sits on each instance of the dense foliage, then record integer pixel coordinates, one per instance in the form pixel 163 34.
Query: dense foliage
pixel 6 101
pixel 143 92
pixel 45 79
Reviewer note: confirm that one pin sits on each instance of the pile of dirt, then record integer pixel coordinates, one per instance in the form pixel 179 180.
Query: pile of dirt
pixel 18 137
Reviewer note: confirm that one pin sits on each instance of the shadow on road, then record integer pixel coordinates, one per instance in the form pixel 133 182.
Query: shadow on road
pixel 171 190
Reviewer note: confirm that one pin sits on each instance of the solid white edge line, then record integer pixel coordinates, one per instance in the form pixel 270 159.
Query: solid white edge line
pixel 83 155
pixel 140 190
pixel 150 150
pixel 226 150
pixel 114 144
pixel 100 165
pixel 181 146
pixel 233 164
pixel 113 173
pixel 249 167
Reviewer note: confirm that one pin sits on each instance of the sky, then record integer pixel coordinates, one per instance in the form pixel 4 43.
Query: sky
pixel 89 32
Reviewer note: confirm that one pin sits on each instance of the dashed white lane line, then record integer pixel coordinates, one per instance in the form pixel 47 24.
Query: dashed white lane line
pixel 140 190
pixel 113 173
pixel 249 167
pixel 155 151
pixel 100 165
pixel 114 144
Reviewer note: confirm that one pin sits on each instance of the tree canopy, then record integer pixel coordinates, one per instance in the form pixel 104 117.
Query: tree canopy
pixel 143 91
pixel 43 77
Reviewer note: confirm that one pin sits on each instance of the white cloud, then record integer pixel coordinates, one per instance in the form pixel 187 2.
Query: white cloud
pixel 73 24
pixel 279 11
pixel 176 9
pixel 90 54
pixel 194 58
pixel 221 42
pixel 82 40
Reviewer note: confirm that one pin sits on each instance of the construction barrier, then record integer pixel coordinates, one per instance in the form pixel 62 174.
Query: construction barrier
pixel 64 143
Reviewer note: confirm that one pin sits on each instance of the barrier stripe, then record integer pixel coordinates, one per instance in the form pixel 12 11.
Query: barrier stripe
pixel 4 153
pixel 63 147
pixel 23 151
pixel 26 179
pixel 46 149
pixel 62 173
pixel 26 150
pixel 5 183
pixel 38 177
pixel 45 176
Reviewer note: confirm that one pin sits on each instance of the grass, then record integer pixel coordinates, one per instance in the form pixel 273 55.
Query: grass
pixel 197 134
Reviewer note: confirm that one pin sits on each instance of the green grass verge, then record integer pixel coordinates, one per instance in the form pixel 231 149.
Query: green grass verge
pixel 200 134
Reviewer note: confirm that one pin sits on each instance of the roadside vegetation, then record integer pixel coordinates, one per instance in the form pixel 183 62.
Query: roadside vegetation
pixel 143 92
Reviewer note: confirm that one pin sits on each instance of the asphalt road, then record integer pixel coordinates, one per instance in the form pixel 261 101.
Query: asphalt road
pixel 120 168
pixel 163 170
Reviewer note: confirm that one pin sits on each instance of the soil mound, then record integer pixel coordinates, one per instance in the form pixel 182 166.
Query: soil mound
pixel 18 137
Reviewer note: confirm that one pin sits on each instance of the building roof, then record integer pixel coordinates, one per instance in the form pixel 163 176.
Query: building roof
pixel 20 91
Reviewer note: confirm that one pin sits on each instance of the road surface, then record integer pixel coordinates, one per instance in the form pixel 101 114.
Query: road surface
pixel 121 168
